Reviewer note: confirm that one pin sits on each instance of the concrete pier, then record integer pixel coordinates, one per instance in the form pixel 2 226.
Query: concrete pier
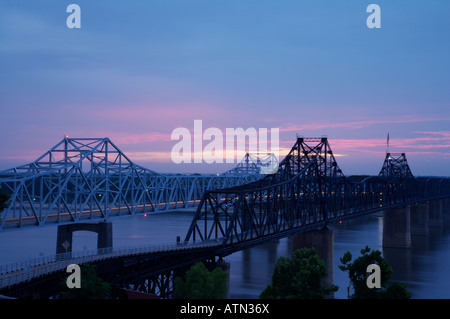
pixel 65 232
pixel 446 209
pixel 323 241
pixel 397 228
pixel 419 214
pixel 436 218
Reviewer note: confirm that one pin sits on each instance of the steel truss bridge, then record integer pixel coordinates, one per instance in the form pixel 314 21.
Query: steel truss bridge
pixel 308 191
pixel 83 179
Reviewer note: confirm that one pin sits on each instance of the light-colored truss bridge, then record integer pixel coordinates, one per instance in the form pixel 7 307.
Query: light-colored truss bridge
pixel 91 178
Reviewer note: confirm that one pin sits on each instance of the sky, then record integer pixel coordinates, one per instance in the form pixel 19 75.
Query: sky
pixel 137 70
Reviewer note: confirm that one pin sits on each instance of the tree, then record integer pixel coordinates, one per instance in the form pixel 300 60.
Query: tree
pixel 200 283
pixel 298 277
pixel 358 276
pixel 4 199
pixel 92 286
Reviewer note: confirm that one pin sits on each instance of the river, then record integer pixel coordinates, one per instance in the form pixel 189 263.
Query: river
pixel 423 267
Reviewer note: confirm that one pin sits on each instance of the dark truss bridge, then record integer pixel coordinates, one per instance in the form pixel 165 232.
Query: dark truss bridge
pixel 308 191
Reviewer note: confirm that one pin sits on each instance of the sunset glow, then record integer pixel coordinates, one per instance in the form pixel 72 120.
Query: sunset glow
pixel 304 68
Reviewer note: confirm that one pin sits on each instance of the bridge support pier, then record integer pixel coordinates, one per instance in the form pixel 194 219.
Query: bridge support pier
pixel 323 241
pixel 446 209
pixel 419 214
pixel 397 228
pixel 65 232
pixel 436 219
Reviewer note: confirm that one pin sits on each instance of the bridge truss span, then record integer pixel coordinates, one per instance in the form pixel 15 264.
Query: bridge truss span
pixel 308 191
pixel 91 178
pixel 88 179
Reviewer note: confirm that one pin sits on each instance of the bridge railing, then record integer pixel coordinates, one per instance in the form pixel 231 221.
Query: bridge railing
pixel 27 265
pixel 14 273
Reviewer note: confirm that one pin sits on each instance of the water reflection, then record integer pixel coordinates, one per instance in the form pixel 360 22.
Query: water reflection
pixel 423 267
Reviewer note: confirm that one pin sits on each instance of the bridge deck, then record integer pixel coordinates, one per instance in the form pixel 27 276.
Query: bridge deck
pixel 15 273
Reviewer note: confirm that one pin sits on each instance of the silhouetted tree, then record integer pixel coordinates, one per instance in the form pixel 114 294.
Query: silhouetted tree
pixel 298 277
pixel 4 200
pixel 200 283
pixel 358 275
pixel 92 286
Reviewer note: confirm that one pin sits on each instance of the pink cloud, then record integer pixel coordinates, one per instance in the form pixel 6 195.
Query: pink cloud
pixel 156 144
pixel 123 138
pixel 441 133
pixel 358 123
pixel 164 114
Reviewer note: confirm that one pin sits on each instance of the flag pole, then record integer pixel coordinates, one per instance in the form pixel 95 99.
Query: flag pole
pixel 387 143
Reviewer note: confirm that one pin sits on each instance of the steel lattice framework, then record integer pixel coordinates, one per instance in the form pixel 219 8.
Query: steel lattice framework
pixel 91 178
pixel 309 190
pixel 395 166
pixel 254 163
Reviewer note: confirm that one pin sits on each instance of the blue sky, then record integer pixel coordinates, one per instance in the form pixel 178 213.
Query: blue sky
pixel 137 70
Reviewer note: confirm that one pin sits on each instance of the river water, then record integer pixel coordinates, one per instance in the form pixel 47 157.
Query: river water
pixel 424 267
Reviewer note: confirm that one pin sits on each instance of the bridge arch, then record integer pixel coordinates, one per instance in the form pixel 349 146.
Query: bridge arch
pixel 64 238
